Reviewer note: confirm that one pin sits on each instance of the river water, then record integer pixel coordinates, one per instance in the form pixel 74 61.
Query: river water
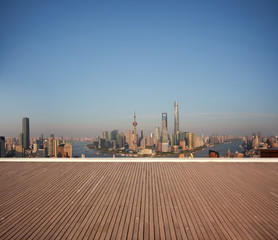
pixel 221 148
pixel 80 147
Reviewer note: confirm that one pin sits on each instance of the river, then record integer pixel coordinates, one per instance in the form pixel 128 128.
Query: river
pixel 80 147
pixel 221 148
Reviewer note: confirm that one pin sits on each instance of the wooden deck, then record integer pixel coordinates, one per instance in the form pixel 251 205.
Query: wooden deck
pixel 138 200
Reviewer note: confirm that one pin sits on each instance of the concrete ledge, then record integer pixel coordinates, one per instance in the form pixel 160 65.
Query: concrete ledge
pixel 232 160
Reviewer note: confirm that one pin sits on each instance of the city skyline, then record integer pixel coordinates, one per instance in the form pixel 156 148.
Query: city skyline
pixel 168 130
pixel 82 69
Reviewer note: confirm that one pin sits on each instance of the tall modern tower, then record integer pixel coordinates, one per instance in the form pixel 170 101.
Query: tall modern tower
pixel 164 128
pixel 176 126
pixel 135 145
pixel 25 132
pixel 157 135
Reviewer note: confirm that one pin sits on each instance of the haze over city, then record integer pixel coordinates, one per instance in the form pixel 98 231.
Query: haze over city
pixel 79 68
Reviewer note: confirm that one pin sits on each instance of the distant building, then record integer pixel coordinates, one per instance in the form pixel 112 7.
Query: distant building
pixel 150 141
pixel 20 139
pixel 114 135
pixel 60 150
pixel 64 150
pixel 255 142
pixel 269 153
pixel 42 153
pixel 119 140
pixel 114 144
pixel 2 147
pixel 26 132
pixel 123 139
pixel 101 143
pixel 159 146
pixel 164 128
pixel 143 143
pixel 191 140
pixel 128 137
pixel 51 147
pixel 183 144
pixel 157 136
pixel 165 147
pixel 176 124
pixel 35 148
pixel 19 151
pixel 68 149
pixel 104 135
pixel 145 151
pixel 142 135
pixel 134 144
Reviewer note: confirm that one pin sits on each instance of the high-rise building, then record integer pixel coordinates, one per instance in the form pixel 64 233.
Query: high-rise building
pixel 119 140
pixel 142 135
pixel 104 135
pixel 157 136
pixel 26 132
pixel 20 136
pixel 64 150
pixel 19 151
pixel 143 143
pixel 51 147
pixel 182 144
pixel 134 146
pixel 2 147
pixel 191 140
pixel 114 135
pixel 35 148
pixel 123 139
pixel 176 124
pixel 128 138
pixel 164 128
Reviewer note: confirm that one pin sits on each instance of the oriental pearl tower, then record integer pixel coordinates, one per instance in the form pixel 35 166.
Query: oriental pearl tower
pixel 135 134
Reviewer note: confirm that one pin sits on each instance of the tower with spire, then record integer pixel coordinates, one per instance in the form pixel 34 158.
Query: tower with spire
pixel 134 142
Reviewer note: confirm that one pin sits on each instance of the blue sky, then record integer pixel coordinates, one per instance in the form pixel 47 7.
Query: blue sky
pixel 76 68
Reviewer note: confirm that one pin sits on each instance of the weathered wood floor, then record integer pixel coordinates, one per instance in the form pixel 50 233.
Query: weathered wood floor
pixel 138 200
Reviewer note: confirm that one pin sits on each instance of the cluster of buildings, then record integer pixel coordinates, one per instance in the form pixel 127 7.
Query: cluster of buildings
pixel 24 146
pixel 256 144
pixel 159 141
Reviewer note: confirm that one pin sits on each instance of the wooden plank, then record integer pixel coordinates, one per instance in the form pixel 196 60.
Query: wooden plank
pixel 133 200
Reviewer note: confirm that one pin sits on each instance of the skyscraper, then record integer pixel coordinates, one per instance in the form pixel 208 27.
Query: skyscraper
pixel 2 147
pixel 191 140
pixel 114 135
pixel 25 132
pixel 128 138
pixel 104 135
pixel 157 135
pixel 134 143
pixel 165 142
pixel 164 128
pixel 20 136
pixel 176 123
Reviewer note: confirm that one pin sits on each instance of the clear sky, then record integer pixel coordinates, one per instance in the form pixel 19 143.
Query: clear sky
pixel 77 68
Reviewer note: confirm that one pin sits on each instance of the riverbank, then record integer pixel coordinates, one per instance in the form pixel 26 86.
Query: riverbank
pixel 199 152
pixel 122 153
